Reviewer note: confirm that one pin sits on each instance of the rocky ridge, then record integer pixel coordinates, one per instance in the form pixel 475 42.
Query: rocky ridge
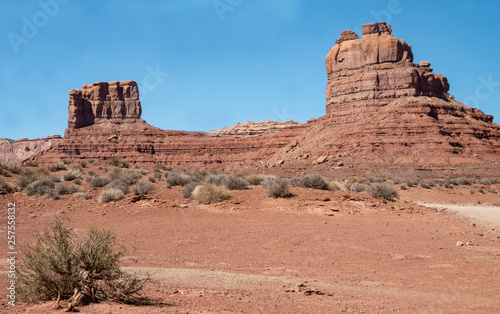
pixel 385 116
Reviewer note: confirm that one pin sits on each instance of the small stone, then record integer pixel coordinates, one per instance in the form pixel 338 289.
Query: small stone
pixel 460 243
pixel 425 64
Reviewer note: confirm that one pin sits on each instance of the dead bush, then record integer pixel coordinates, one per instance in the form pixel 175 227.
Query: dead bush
pixel 142 188
pixel 277 187
pixel 111 194
pixel 209 193
pixel 384 191
pixel 255 179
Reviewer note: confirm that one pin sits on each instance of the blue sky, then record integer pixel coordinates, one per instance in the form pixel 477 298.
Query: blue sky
pixel 206 64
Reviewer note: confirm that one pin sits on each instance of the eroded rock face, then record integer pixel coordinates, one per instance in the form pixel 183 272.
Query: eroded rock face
pixel 15 152
pixel 252 129
pixel 103 102
pixel 366 74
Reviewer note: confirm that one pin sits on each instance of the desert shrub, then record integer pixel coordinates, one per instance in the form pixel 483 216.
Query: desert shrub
pixel 412 182
pixel 31 163
pixel 230 182
pixel 15 169
pixel 189 188
pixel 4 172
pixel 492 189
pixel 82 164
pixel 462 181
pixel 41 172
pixel 45 186
pixel 117 162
pixel 384 191
pixel 57 166
pixel 78 181
pixel 403 187
pixel 255 179
pixel 426 184
pixel 111 194
pixel 162 168
pixel 26 178
pixel 152 179
pixel 175 178
pixel 157 175
pixel 92 173
pixel 97 182
pixel 472 191
pixel 93 162
pixel 481 190
pixel 277 187
pixel 142 188
pixel 5 187
pixel 397 181
pixel 447 184
pixel 356 187
pixel 65 161
pixel 62 189
pixel 314 181
pixel 81 194
pixel 58 265
pixel 209 193
pixel 117 184
pixel 72 174
pixel 132 177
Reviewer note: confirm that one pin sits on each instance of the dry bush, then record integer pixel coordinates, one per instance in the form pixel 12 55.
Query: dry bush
pixel 31 163
pixel 403 187
pixel 5 187
pixel 57 166
pixel 58 265
pixel 189 188
pixel 82 164
pixel 117 162
pixel 82 195
pixel 427 184
pixel 175 179
pixel 97 182
pixel 157 175
pixel 230 182
pixel 412 182
pixel 255 179
pixel 462 181
pixel 152 179
pixel 92 173
pixel 94 162
pixel 312 181
pixel 72 174
pixel 384 191
pixel 111 194
pixel 356 187
pixel 43 186
pixel 65 161
pixel 492 189
pixel 62 189
pixel 277 187
pixel 15 169
pixel 162 168
pixel 26 178
pixel 208 194
pixel 142 188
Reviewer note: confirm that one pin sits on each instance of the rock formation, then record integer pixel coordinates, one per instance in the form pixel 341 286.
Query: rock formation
pixel 15 152
pixel 103 102
pixel 385 116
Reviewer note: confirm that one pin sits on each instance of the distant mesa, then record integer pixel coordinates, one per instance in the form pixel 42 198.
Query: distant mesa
pixel 104 102
pixel 384 116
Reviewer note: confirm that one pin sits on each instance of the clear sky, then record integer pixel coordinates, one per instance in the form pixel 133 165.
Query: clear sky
pixel 206 64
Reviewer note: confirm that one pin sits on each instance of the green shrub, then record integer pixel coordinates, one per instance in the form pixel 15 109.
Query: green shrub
pixel 277 187
pixel 384 191
pixel 208 194
pixel 143 188
pixel 58 264
pixel 117 162
pixel 57 166
pixel 111 194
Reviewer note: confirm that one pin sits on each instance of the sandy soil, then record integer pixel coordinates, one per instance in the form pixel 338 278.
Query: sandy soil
pixel 317 252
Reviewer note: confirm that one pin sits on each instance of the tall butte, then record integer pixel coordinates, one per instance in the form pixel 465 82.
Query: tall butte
pixel 387 116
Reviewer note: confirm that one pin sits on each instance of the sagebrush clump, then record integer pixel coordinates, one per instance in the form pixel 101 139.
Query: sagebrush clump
pixel 230 182
pixel 384 191
pixel 111 194
pixel 142 188
pixel 209 193
pixel 277 187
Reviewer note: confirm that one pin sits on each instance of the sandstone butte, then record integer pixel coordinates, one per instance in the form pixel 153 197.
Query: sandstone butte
pixel 385 116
